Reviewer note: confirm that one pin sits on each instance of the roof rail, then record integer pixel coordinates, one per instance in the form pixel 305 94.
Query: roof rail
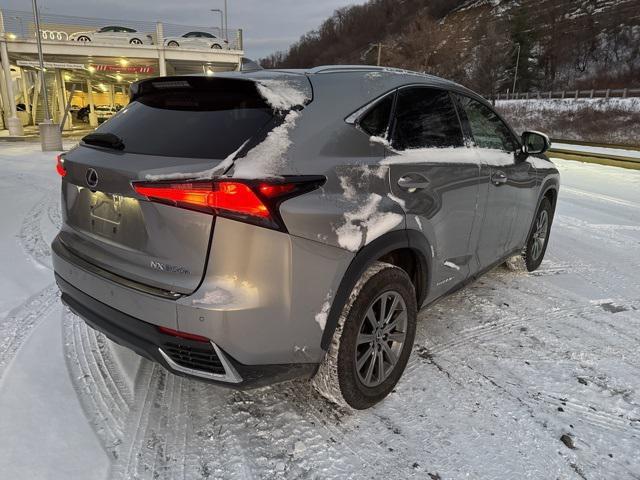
pixel 346 68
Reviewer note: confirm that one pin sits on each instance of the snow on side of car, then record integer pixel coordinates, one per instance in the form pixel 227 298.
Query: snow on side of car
pixel 365 224
pixel 202 175
pixel 281 95
pixel 321 316
pixel 448 155
pixel 268 157
pixel 225 291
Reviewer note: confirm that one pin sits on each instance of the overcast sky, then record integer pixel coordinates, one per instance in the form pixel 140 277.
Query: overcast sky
pixel 269 25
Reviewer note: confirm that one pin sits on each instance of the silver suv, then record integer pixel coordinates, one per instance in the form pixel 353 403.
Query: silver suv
pixel 254 227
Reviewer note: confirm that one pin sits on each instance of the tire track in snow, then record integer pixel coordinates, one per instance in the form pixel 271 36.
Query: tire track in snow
pixel 18 324
pixel 97 380
pixel 616 423
pixel 30 236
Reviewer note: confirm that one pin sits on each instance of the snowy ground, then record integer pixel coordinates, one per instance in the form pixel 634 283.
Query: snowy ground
pixel 501 371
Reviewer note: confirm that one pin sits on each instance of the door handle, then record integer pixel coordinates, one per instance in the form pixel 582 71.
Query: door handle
pixel 413 181
pixel 499 178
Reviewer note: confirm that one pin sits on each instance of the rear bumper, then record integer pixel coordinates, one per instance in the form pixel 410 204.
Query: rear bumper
pixel 176 354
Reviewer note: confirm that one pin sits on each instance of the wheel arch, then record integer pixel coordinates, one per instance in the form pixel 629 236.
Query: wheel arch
pixel 400 248
pixel 549 190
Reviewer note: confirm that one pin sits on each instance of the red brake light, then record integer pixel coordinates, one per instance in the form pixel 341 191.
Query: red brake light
pixel 231 196
pixel 185 335
pixel 250 201
pixel 60 166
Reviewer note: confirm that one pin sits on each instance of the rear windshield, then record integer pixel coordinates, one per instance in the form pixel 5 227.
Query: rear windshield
pixel 210 122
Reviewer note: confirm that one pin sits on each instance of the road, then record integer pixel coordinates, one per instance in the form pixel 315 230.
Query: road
pixel 502 372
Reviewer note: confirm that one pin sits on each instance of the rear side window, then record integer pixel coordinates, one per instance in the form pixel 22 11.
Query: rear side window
pixel 208 122
pixel 426 118
pixel 376 121
pixel 487 129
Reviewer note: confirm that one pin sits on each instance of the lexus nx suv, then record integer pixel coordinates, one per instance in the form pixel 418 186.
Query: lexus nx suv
pixel 254 227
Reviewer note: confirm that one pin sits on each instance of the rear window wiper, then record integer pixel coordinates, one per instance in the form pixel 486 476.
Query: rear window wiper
pixel 106 140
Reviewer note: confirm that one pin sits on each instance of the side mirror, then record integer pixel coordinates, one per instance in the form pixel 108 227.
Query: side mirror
pixel 535 143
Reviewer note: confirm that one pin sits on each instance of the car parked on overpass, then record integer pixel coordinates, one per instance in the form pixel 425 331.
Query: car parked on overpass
pixel 113 34
pixel 303 237
pixel 196 40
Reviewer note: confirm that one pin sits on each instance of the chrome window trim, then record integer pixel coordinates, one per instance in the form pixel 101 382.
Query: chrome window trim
pixel 355 117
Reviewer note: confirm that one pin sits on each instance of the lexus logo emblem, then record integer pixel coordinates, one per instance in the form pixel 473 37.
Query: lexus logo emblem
pixel 92 178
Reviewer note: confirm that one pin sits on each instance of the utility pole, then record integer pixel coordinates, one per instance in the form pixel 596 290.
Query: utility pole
pixel 50 135
pixel 515 75
pixel 379 53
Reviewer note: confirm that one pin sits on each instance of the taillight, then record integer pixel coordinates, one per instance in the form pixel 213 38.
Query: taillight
pixel 249 201
pixel 60 166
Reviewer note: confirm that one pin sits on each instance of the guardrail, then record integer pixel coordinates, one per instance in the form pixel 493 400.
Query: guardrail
pixel 564 94
pixel 605 158
pixel 20 26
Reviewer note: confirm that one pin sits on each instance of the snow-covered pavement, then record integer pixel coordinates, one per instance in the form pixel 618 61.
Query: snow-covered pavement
pixel 516 376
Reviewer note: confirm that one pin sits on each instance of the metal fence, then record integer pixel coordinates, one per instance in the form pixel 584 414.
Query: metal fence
pixel 575 94
pixel 20 26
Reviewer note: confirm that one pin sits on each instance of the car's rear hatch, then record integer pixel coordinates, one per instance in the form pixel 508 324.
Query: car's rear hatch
pixel 179 127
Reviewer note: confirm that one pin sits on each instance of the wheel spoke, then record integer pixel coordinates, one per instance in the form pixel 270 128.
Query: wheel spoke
pixel 400 318
pixel 396 337
pixel 365 338
pixel 394 305
pixel 392 356
pixel 372 364
pixel 372 318
pixel 380 360
pixel 362 360
pixel 383 308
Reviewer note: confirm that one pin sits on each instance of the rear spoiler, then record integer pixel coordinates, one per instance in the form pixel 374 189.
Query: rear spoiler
pixel 184 83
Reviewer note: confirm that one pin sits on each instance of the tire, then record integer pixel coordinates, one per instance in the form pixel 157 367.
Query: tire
pixel 538 240
pixel 135 41
pixel 173 44
pixel 83 39
pixel 339 379
pixel 215 46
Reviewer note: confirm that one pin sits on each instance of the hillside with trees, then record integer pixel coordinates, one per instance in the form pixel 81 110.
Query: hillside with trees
pixel 557 44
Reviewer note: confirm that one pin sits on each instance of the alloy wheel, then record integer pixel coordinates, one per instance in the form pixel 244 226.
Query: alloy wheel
pixel 381 338
pixel 540 234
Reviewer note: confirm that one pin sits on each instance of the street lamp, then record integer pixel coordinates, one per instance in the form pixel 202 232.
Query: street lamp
pixel 217 10
pixel 50 134
pixel 226 24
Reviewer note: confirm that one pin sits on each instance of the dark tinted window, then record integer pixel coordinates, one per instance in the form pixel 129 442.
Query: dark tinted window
pixel 426 118
pixel 487 129
pixel 376 120
pixel 212 122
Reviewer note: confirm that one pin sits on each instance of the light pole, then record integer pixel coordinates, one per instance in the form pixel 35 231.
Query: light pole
pixel 226 22
pixel 515 75
pixel 217 10
pixel 50 135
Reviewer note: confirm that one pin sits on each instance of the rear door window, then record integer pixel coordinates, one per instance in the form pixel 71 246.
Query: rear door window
pixel 487 130
pixel 210 120
pixel 426 118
